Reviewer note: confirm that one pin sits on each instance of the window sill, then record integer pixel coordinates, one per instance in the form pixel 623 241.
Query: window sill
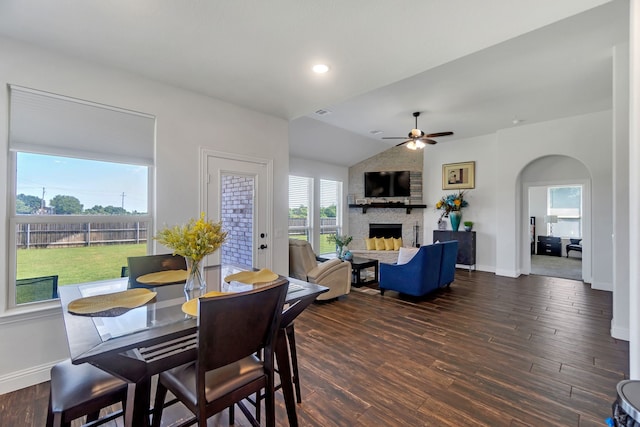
pixel 33 311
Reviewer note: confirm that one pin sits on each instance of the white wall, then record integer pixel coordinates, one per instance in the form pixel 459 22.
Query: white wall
pixel 634 193
pixel 484 200
pixel 186 121
pixel 538 208
pixel 620 209
pixel 495 205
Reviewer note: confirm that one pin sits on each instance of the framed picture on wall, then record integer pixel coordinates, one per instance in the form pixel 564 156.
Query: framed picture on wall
pixel 459 176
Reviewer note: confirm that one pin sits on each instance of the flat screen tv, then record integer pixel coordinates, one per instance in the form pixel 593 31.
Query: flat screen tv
pixel 386 184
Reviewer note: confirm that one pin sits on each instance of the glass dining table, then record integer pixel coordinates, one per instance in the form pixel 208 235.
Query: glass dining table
pixel 144 341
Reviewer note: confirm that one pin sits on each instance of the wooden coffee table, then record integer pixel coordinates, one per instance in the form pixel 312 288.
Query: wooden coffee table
pixel 357 265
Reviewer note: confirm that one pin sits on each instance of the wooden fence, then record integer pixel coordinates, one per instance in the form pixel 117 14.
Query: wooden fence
pixel 89 233
pixel 80 234
pixel 299 226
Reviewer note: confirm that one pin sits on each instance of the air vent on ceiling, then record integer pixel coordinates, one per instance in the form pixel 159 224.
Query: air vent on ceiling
pixel 376 132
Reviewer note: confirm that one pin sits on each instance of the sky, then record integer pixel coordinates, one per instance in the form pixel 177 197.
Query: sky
pixel 91 182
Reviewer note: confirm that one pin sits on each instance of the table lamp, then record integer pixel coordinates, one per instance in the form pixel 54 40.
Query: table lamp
pixel 551 219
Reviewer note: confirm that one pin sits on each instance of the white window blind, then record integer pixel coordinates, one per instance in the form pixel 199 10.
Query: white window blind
pixel 300 196
pixel 46 123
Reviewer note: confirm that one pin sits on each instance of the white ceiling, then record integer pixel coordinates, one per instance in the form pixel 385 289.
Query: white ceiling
pixel 468 66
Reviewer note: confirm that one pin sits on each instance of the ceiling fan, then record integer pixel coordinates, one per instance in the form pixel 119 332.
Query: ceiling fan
pixel 417 138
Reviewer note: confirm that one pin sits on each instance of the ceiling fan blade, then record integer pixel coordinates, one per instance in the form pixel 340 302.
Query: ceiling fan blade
pixel 430 141
pixel 403 142
pixel 435 135
pixel 394 137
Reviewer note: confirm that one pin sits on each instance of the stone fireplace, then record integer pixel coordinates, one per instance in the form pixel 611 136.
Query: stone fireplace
pixel 385 230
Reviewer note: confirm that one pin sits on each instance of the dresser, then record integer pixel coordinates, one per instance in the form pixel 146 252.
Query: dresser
pixel 549 245
pixel 466 245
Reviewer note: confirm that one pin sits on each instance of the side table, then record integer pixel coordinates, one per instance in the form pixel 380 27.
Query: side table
pixel 357 265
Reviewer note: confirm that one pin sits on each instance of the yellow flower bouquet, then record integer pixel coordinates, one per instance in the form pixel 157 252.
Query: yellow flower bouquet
pixel 193 241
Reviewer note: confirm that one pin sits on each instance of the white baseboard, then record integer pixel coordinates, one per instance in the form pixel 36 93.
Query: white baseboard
pixel 26 378
pixel 507 273
pixel 601 286
pixel 620 333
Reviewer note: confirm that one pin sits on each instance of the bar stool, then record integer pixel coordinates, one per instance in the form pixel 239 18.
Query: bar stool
pixel 79 390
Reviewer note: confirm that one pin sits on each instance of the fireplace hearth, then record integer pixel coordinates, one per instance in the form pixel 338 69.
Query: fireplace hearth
pixel 385 230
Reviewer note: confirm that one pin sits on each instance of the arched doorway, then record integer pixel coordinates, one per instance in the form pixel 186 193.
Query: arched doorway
pixel 535 180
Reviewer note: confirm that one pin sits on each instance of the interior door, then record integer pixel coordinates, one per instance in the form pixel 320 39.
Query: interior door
pixel 237 192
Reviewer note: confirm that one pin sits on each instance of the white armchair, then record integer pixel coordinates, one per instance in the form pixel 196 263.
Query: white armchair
pixel 334 274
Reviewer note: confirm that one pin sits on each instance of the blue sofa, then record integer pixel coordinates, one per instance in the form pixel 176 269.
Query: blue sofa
pixel 432 267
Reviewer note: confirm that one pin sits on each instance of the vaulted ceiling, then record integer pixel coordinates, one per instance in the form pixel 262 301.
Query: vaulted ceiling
pixel 470 67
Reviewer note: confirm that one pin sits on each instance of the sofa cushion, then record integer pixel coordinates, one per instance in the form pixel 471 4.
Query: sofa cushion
pixel 406 254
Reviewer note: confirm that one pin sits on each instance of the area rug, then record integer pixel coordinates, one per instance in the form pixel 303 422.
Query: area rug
pixel 555 266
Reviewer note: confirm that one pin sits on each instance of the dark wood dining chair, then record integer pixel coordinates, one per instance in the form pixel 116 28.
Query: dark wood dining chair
pixel 79 390
pixel 288 330
pixel 36 289
pixel 141 265
pixel 232 330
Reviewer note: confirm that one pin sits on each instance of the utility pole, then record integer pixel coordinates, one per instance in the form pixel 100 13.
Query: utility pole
pixel 122 200
pixel 42 202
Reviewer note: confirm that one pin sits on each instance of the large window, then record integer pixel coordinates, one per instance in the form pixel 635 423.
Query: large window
pixel 564 205
pixel 300 207
pixel 330 213
pixel 81 192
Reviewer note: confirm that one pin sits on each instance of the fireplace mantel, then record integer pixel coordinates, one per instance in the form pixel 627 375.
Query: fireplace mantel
pixel 388 206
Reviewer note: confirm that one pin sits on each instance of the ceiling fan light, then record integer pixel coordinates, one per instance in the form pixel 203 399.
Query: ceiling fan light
pixel 420 144
pixel 416 133
pixel 411 145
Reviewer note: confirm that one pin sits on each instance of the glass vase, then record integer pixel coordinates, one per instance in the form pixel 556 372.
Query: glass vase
pixel 195 285
pixel 455 217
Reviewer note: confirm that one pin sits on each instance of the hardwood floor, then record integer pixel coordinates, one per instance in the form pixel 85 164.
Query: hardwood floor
pixel 488 351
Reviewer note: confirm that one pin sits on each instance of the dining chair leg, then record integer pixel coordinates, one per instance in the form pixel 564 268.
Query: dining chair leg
pixel 232 415
pixel 158 405
pixel 258 405
pixel 291 337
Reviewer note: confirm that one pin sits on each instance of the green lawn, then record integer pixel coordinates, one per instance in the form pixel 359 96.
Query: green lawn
pixel 77 265
pixel 325 246
pixel 88 264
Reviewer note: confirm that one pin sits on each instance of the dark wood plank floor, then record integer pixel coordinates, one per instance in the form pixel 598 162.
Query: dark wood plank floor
pixel 489 351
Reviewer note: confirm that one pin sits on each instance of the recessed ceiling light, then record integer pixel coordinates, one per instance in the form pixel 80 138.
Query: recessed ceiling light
pixel 375 132
pixel 323 112
pixel 320 68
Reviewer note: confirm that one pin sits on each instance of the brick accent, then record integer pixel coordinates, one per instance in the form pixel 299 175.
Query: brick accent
pixel 236 213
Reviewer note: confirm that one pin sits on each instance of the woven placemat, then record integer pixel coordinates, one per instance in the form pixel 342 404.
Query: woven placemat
pixel 251 277
pixel 163 277
pixel 113 304
pixel 191 307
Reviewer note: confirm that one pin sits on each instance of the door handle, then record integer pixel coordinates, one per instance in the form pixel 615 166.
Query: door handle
pixel 262 246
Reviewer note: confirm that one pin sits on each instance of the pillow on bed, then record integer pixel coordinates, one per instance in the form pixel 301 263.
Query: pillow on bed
pixel 406 254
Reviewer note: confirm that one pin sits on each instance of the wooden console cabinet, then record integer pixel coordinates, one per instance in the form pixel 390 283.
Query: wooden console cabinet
pixel 466 245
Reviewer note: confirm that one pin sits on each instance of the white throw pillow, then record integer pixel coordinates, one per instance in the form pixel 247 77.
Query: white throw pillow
pixel 406 254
